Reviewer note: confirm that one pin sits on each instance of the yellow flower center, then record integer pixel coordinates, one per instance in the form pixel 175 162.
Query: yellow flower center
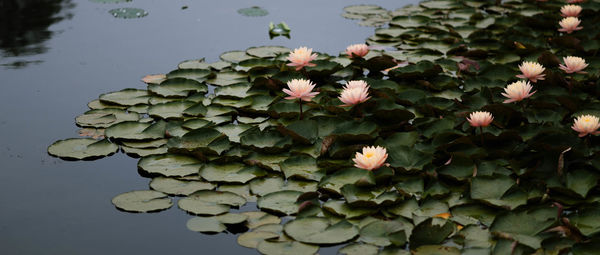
pixel 369 155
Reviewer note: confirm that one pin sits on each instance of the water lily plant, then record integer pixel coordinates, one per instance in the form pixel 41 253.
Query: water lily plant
pixel 301 90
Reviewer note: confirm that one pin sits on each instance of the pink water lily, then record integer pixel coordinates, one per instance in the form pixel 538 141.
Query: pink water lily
pixel 480 119
pixel 573 64
pixel 301 57
pixel 371 158
pixel 569 24
pixel 354 92
pixel 586 125
pixel 300 89
pixel 532 71
pixel 357 50
pixel 517 91
pixel 570 10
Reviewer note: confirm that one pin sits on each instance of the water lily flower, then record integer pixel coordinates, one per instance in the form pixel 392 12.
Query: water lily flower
pixel 300 89
pixel 586 124
pixel 301 57
pixel 532 71
pixel 569 24
pixel 371 158
pixel 570 10
pixel 357 50
pixel 480 119
pixel 355 92
pixel 517 91
pixel 573 64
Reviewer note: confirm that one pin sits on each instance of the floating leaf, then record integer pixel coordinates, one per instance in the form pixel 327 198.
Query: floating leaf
pixel 177 187
pixel 253 11
pixel 142 201
pixel 82 148
pixel 170 165
pixel 287 247
pixel 280 202
pixel 315 230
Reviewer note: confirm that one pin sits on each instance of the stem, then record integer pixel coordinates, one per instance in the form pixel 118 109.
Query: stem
pixel 300 103
pixel 305 73
pixel 481 133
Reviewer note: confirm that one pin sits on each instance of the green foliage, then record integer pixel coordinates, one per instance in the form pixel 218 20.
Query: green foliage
pixel 222 134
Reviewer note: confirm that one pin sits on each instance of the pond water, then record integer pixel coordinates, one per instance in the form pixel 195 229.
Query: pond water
pixel 56 56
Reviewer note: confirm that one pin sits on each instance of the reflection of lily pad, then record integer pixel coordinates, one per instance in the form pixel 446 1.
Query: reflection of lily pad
pixel 253 11
pixel 142 201
pixel 128 13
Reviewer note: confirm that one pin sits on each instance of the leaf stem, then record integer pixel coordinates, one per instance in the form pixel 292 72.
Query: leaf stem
pixel 300 103
pixel 481 133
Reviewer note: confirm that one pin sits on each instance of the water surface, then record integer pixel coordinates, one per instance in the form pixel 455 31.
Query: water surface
pixel 57 55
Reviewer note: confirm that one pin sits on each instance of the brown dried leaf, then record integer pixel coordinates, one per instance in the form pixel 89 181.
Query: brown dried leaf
pixel 92 132
pixel 154 78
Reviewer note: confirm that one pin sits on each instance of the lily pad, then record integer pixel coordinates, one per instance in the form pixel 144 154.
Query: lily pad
pixel 287 247
pixel 170 165
pixel 280 202
pixel 82 148
pixel 231 173
pixel 253 11
pixel 315 230
pixel 205 224
pixel 252 239
pixel 142 201
pixel 178 187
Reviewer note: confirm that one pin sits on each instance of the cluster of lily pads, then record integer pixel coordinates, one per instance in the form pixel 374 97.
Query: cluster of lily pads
pixel 220 135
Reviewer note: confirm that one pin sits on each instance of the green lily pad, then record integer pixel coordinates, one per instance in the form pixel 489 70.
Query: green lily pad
pixel 315 230
pixel 384 233
pixel 359 249
pixel 178 187
pixel 280 202
pixel 252 239
pixel 142 201
pixel 178 87
pixel 205 224
pixel 170 110
pixel 82 148
pixel 268 185
pixel 103 118
pixel 170 165
pixel 267 51
pixel 128 13
pixel 257 219
pixel 231 173
pixel 143 152
pixel 126 97
pixel 253 11
pixel 208 202
pixel 134 130
pixel 337 180
pixel 341 208
pixel 303 167
pixel 287 247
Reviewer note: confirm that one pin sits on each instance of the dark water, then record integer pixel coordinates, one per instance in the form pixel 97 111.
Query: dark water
pixel 57 55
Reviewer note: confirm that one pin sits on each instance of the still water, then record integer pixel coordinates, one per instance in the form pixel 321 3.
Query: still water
pixel 57 55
